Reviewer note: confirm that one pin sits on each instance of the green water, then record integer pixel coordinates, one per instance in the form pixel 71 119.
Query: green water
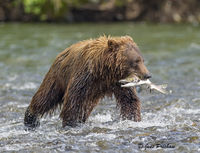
pixel 172 54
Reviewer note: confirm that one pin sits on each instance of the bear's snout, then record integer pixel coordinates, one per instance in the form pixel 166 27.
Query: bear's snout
pixel 147 76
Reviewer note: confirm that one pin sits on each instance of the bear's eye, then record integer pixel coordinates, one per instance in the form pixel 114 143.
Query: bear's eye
pixel 137 61
pixel 133 64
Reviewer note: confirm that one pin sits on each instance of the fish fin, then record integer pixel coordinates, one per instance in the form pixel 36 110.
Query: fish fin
pixel 163 86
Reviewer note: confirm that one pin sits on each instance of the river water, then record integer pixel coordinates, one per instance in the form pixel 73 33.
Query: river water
pixel 170 123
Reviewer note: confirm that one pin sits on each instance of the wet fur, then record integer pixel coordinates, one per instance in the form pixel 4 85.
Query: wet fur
pixel 82 75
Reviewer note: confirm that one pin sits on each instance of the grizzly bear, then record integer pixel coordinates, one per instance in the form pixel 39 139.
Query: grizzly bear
pixel 83 74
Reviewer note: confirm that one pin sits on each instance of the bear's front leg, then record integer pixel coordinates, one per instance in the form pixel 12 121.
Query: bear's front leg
pixel 128 102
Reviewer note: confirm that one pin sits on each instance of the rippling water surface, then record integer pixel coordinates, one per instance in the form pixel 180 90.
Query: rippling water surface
pixel 172 54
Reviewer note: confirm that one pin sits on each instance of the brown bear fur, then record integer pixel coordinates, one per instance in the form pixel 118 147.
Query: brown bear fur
pixel 83 74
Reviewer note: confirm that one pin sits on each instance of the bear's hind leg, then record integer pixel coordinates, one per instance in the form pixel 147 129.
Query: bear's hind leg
pixel 79 100
pixel 77 110
pixel 46 99
pixel 128 102
pixel 31 120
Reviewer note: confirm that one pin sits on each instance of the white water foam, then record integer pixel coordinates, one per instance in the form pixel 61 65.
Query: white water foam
pixel 194 46
pixel 28 85
pixel 101 118
pixel 102 136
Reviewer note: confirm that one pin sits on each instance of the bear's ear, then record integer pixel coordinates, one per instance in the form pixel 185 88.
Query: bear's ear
pixel 112 45
pixel 129 38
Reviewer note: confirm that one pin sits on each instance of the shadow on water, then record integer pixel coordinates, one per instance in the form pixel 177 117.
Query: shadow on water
pixel 172 54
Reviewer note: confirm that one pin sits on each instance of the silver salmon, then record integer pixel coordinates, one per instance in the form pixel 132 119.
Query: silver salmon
pixel 131 82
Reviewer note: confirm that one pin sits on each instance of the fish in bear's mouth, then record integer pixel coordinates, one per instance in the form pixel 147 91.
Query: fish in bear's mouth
pixel 133 80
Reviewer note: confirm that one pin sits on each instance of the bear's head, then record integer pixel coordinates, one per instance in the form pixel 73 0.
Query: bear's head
pixel 126 58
